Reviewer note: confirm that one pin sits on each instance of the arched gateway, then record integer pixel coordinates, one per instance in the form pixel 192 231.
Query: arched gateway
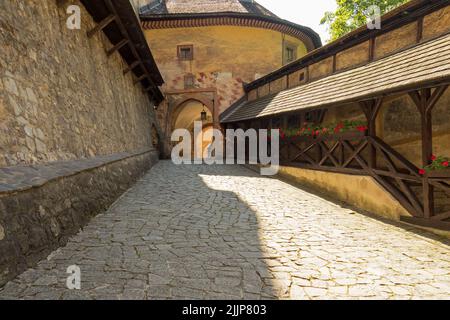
pixel 184 112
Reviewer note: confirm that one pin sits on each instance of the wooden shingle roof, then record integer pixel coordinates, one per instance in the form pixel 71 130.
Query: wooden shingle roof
pixel 425 63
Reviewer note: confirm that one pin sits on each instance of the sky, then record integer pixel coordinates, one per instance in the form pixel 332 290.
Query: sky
pixel 304 12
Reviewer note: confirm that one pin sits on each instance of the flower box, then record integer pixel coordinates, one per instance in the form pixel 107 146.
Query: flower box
pixel 438 167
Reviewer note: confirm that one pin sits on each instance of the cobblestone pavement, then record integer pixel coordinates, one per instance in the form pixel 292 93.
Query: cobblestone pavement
pixel 224 232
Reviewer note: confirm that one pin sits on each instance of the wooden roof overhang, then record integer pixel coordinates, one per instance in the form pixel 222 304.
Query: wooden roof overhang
pixel 119 22
pixel 421 66
pixel 182 20
pixel 396 18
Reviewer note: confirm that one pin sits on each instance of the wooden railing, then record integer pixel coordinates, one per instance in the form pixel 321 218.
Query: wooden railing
pixel 427 197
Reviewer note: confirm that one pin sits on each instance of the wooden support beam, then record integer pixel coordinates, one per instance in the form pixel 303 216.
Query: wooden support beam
pixel 427 150
pixel 371 49
pixel 435 96
pixel 371 109
pixel 419 29
pixel 101 25
pixel 284 122
pixel 116 47
pixel 302 118
pixel 140 78
pixel 429 223
pixel 334 63
pixel 425 100
pixel 422 101
pixel 132 66
pixel 322 114
pixel 111 6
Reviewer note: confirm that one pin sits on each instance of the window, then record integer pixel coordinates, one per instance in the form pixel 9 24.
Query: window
pixel 186 52
pixel 189 81
pixel 290 53
pixel 301 77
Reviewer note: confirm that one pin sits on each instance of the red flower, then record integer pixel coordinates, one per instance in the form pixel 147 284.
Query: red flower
pixel 422 172
pixel 445 163
pixel 361 128
pixel 433 157
pixel 339 127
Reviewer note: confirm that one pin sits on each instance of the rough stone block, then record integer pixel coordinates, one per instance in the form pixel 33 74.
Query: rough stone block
pixel 11 86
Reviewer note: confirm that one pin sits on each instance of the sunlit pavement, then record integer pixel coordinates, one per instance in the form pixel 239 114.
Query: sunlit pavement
pixel 224 232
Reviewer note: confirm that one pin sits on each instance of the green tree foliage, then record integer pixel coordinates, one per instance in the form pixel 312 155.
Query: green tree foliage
pixel 351 14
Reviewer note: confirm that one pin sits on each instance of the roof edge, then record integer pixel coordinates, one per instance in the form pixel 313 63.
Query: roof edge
pixel 391 20
pixel 314 36
pixel 425 83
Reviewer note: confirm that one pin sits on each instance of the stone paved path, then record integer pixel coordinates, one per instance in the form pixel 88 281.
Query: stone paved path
pixel 219 232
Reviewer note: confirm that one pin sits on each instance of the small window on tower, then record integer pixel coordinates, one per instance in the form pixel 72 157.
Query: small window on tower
pixel 301 77
pixel 290 53
pixel 186 52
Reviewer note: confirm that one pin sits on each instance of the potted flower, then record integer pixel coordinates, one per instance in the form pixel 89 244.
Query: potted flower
pixel 439 167
pixel 348 129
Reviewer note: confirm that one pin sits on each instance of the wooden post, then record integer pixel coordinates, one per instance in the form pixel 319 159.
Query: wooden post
pixel 259 126
pixel 101 25
pixel 425 100
pixel 140 78
pixel 419 30
pixel 132 66
pixel 302 119
pixel 371 48
pixel 284 122
pixel 427 151
pixel 116 47
pixel 427 130
pixel 371 109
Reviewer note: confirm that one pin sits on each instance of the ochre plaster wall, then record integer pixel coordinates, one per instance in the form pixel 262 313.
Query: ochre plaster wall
pixel 360 191
pixel 225 57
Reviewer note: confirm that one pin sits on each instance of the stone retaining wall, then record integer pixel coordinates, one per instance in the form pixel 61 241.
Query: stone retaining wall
pixel 42 206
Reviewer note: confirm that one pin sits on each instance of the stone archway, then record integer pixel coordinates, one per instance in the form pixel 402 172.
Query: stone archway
pixel 186 114
pixel 177 104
